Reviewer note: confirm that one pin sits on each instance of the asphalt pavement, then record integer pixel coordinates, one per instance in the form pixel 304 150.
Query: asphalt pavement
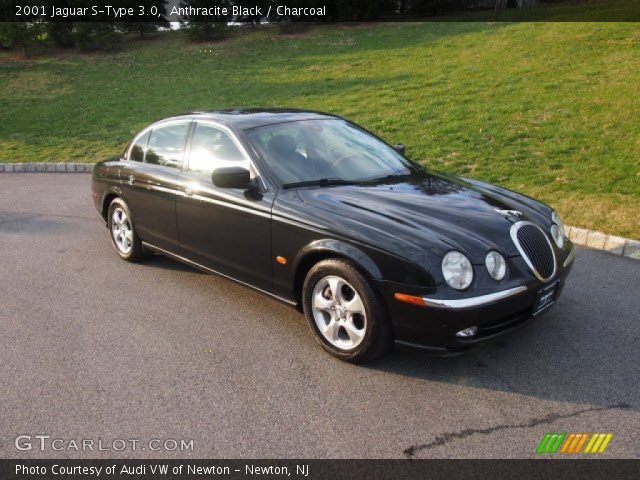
pixel 92 347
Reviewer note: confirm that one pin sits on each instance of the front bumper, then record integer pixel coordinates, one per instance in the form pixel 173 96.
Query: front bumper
pixel 433 327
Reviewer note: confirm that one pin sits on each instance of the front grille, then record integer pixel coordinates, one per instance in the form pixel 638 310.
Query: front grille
pixel 535 248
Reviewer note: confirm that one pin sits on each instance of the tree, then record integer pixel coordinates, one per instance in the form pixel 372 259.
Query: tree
pixel 96 36
pixel 205 27
pixel 263 5
pixel 436 7
pixel 60 34
pixel 20 35
pixel 357 10
pixel 99 34
pixel 154 23
pixel 500 4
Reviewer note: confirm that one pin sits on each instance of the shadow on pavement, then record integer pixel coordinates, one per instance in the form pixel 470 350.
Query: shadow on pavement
pixel 583 351
pixel 166 263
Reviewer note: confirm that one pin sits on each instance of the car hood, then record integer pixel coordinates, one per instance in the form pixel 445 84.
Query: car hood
pixel 435 212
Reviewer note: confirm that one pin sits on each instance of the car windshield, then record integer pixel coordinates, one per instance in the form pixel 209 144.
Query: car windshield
pixel 326 152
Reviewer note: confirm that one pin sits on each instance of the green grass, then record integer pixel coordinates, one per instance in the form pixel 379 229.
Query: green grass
pixel 549 109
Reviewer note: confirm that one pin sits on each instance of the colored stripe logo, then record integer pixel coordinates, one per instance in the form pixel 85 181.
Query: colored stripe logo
pixel 572 443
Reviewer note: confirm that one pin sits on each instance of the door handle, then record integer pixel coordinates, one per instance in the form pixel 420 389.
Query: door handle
pixel 188 192
pixel 131 179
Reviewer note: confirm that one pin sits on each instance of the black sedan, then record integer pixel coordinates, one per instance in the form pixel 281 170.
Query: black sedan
pixel 316 211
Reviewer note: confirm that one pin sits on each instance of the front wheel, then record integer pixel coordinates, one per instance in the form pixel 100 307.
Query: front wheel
pixel 344 312
pixel 123 234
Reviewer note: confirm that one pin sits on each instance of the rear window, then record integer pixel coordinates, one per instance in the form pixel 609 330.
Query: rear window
pixel 166 145
pixel 139 148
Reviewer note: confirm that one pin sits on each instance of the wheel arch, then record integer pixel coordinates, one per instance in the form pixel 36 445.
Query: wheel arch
pixel 330 248
pixel 108 197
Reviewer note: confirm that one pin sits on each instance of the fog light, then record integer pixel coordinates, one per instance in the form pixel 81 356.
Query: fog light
pixel 467 332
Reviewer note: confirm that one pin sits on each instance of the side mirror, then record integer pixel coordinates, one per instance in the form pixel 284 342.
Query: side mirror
pixel 231 177
pixel 399 147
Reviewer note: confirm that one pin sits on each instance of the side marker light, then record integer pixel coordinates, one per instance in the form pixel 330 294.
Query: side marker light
pixel 412 299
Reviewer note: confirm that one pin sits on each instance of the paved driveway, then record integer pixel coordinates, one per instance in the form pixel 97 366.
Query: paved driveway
pixel 93 347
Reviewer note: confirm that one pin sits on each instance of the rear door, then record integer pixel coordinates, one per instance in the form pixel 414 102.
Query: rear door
pixel 149 182
pixel 225 229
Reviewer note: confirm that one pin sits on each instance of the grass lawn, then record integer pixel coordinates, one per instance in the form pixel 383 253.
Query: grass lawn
pixel 549 109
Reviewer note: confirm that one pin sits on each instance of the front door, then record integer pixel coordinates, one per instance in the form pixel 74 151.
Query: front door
pixel 227 230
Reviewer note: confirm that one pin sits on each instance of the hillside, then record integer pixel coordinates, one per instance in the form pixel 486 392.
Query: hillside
pixel 550 109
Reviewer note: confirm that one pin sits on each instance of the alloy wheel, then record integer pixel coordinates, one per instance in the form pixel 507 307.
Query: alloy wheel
pixel 339 312
pixel 121 230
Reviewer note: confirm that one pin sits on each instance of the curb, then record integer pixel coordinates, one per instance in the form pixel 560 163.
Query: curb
pixel 46 167
pixel 580 236
pixel 601 241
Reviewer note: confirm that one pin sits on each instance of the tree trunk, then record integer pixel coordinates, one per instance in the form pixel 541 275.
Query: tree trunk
pixel 497 9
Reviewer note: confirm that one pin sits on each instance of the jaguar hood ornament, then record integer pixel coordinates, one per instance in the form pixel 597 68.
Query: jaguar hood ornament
pixel 509 213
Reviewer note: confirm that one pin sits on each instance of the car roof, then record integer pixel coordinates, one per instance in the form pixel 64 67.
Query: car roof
pixel 246 118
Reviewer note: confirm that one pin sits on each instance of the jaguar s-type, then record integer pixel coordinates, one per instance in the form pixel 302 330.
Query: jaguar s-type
pixel 316 211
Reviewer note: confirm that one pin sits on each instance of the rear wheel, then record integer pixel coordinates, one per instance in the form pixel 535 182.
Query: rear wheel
pixel 123 234
pixel 344 312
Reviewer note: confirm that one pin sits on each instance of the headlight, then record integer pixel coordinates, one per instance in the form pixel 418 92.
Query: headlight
pixel 557 229
pixel 457 270
pixel 496 265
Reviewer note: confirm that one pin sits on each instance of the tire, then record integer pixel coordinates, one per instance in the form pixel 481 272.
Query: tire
pixel 123 233
pixel 350 330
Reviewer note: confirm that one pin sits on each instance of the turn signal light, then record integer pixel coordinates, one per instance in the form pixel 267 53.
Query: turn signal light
pixel 281 260
pixel 414 300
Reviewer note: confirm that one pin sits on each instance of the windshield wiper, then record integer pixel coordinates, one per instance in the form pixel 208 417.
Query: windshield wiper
pixel 319 182
pixel 387 178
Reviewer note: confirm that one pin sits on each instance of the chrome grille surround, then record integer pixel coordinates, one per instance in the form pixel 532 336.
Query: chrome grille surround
pixel 540 250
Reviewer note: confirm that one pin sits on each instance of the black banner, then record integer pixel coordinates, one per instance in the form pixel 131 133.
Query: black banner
pixel 261 11
pixel 317 469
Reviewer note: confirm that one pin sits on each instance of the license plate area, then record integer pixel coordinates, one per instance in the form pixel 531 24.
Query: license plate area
pixel 545 298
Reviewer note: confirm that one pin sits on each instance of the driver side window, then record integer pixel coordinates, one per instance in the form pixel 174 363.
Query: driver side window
pixel 213 148
pixel 288 150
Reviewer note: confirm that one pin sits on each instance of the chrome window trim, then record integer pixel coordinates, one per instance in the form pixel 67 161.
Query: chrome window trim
pixel 471 302
pixel 127 155
pixel 514 230
pixel 134 141
pixel 161 123
pixel 234 139
pixel 196 120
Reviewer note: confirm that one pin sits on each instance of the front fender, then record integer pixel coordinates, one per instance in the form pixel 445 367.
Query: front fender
pixel 342 249
pixel 380 267
pixel 301 245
